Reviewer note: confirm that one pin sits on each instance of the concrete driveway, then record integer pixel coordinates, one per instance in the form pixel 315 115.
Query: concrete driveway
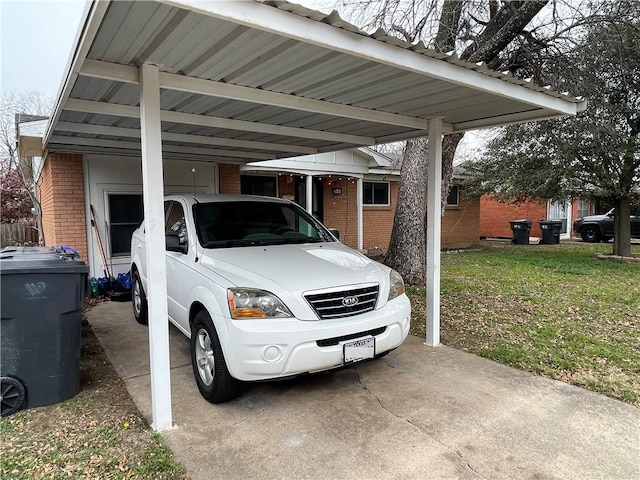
pixel 420 412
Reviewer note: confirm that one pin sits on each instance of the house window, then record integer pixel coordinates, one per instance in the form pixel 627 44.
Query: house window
pixel 258 185
pixel 583 208
pixel 125 215
pixel 375 193
pixel 453 200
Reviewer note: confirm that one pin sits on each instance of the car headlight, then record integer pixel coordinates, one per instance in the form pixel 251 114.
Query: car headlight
pixel 255 303
pixel 396 285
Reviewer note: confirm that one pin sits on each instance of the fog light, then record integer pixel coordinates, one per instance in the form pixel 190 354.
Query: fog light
pixel 272 353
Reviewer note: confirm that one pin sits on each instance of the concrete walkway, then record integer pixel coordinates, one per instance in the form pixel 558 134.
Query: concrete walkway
pixel 419 413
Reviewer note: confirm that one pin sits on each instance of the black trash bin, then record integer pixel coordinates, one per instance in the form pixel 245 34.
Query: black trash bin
pixel 520 230
pixel 550 231
pixel 41 292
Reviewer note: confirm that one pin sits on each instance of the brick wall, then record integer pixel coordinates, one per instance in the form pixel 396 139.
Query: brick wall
pixel 61 193
pixel 229 179
pixel 340 211
pixel 378 221
pixel 495 216
pixel 461 224
pixel 286 185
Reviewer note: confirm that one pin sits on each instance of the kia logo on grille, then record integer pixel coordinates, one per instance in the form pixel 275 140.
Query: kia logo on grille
pixel 350 301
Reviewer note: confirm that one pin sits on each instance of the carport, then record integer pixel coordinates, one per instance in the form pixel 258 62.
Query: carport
pixel 245 81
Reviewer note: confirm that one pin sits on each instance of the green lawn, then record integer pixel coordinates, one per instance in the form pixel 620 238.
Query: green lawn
pixel 554 310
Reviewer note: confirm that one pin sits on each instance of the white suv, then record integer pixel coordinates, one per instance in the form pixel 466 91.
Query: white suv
pixel 264 291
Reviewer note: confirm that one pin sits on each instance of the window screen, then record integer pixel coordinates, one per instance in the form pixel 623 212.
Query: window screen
pixel 583 208
pixel 375 193
pixel 126 214
pixel 258 185
pixel 453 199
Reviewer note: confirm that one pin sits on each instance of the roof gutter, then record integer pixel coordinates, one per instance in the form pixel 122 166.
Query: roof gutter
pixel 93 14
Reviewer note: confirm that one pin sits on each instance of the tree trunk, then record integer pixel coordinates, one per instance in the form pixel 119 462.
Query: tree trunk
pixel 622 228
pixel 406 252
pixel 449 146
pixel 407 247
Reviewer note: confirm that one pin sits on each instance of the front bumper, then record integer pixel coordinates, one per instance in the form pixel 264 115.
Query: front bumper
pixel 268 349
pixel 576 226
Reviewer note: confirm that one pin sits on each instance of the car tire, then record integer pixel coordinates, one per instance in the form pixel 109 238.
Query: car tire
pixel 210 370
pixel 590 234
pixel 12 395
pixel 139 300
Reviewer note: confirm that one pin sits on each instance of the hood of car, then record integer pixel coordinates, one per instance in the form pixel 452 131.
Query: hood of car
pixel 596 218
pixel 296 267
pixel 289 271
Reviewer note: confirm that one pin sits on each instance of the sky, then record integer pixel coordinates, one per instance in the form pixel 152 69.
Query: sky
pixel 36 42
pixel 37 38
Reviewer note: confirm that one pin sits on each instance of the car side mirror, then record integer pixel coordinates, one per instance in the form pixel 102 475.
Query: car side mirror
pixel 173 244
pixel 335 233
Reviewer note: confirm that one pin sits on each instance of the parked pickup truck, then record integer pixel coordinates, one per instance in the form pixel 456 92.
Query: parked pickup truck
pixel 595 228
pixel 264 291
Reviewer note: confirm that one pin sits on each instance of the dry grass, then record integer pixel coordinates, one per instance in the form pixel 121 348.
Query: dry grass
pixel 98 434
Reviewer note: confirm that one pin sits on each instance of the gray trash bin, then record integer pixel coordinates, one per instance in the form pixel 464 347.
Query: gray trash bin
pixel 41 292
pixel 550 231
pixel 520 230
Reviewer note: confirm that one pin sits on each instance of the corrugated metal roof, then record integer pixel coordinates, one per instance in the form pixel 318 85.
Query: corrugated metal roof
pixel 188 43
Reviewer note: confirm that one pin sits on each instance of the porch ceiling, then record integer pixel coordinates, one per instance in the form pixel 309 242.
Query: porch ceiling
pixel 248 81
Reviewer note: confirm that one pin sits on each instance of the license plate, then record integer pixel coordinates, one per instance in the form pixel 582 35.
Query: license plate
pixel 359 349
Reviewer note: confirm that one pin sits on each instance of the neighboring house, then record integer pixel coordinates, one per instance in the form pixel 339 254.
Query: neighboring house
pixel 70 186
pixel 495 216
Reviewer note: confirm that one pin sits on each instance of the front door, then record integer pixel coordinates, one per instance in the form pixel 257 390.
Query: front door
pixel 561 211
pixel 317 196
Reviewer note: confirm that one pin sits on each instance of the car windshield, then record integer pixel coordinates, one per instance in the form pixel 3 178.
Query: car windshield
pixel 248 223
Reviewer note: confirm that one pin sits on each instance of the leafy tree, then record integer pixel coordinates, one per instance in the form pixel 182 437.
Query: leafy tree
pixel 15 203
pixel 506 35
pixel 18 188
pixel 594 155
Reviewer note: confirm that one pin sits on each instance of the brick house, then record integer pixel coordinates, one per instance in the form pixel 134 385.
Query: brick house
pixel 69 185
pixel 495 215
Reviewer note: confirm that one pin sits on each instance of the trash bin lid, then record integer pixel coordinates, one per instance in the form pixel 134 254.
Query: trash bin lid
pixel 22 250
pixel 24 260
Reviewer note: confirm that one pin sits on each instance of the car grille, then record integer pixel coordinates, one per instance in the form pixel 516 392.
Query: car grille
pixel 342 303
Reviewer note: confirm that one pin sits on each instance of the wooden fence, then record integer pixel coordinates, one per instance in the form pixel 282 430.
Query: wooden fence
pixel 18 234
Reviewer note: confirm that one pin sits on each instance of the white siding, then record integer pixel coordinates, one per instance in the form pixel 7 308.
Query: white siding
pixel 111 174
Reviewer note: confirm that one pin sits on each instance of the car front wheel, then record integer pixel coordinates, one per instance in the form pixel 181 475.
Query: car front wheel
pixel 590 234
pixel 210 370
pixel 139 300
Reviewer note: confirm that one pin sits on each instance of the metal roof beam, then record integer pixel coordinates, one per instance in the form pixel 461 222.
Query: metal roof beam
pixel 290 25
pixel 103 108
pixel 171 81
pixel 135 146
pixel 509 119
pixel 186 138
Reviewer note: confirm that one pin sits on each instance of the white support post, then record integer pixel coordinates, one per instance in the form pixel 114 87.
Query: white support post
pixel 359 207
pixel 434 229
pixel 153 195
pixel 309 194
